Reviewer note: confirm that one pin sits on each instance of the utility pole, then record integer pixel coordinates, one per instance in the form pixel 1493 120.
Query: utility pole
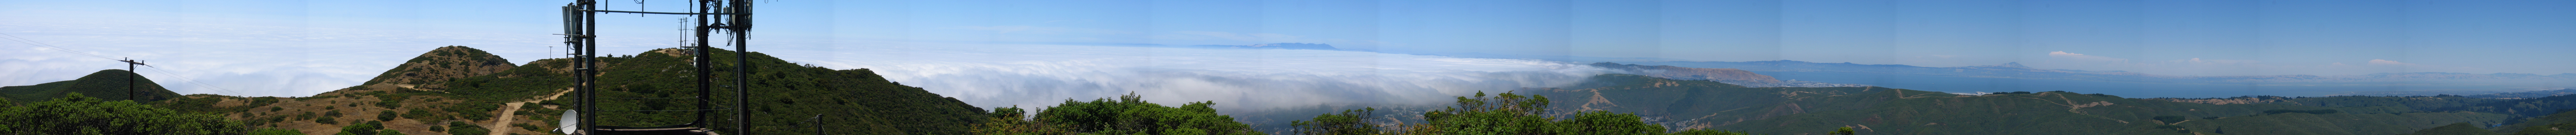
pixel 130 76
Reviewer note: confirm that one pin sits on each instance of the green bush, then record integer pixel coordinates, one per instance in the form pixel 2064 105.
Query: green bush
pixel 391 101
pixel 417 113
pixel 388 132
pixel 273 131
pixel 474 110
pixel 1126 115
pixel 326 120
pixel 528 127
pixel 260 121
pixel 1841 131
pixel 369 128
pixel 386 115
pixel 462 128
pixel 78 114
pixel 1349 122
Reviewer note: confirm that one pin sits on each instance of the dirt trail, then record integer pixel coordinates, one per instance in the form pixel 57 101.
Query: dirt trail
pixel 509 113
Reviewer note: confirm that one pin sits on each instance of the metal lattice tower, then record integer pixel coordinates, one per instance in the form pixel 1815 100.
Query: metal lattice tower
pixel 731 16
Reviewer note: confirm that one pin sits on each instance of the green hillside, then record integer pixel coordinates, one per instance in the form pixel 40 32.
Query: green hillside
pixel 2455 129
pixel 2561 123
pixel 104 84
pixel 1685 104
pixel 784 93
pixel 459 90
pixel 858 101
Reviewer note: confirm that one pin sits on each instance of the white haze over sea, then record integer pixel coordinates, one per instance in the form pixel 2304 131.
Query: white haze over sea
pixel 1029 75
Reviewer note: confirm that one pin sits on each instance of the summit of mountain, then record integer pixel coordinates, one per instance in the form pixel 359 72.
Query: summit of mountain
pixel 108 84
pixel 431 70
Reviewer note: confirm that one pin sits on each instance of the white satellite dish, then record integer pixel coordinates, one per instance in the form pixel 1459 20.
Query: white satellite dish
pixel 570 119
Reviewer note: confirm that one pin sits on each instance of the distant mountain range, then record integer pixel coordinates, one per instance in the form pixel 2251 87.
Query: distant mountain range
pixel 2016 70
pixel 1727 75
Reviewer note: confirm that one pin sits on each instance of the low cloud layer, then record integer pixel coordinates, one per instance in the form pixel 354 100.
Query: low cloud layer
pixel 1043 75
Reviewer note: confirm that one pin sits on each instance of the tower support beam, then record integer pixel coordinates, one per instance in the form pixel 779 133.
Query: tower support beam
pixel 732 16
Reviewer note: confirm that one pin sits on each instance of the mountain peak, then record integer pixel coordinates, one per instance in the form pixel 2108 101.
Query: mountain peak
pixel 432 69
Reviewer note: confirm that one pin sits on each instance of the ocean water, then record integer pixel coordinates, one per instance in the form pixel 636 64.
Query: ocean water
pixel 1955 84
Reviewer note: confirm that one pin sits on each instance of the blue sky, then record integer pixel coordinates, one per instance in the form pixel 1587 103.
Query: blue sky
pixel 320 44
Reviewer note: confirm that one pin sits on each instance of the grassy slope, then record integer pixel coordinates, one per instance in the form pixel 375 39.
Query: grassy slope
pixel 851 101
pixel 2553 124
pixel 104 84
pixel 1702 104
pixel 2454 129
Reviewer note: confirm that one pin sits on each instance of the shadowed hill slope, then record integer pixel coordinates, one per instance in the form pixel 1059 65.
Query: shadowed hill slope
pixel 104 84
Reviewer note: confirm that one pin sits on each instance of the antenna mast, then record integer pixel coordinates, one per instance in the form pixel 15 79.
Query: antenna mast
pixel 732 16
